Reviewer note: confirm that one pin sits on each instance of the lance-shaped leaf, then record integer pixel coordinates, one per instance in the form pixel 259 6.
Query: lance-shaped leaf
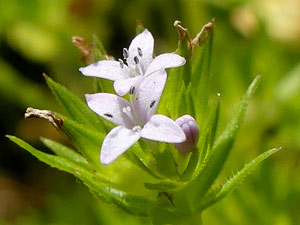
pixel 87 141
pixel 189 101
pixel 184 49
pixel 65 152
pixel 201 78
pixel 75 107
pixel 234 182
pixel 172 95
pixel 162 186
pixel 99 53
pixel 138 205
pixel 210 130
pixel 57 161
pixel 136 156
pixel 200 185
pixel 98 50
pixel 98 185
pixel 205 142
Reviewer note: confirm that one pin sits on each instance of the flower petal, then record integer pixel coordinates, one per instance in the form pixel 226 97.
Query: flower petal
pixel 145 42
pixel 109 107
pixel 122 86
pixel 107 69
pixel 148 94
pixel 191 129
pixel 164 61
pixel 118 140
pixel 164 129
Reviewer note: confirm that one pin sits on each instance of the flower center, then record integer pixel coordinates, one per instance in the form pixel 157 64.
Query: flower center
pixel 131 113
pixel 137 66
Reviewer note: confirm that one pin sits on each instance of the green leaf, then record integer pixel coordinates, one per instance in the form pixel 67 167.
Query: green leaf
pixel 65 152
pixel 76 108
pixel 99 53
pixel 103 85
pixel 201 78
pixel 220 150
pixel 98 50
pixel 87 141
pixel 56 161
pixel 184 51
pixel 186 104
pixel 189 101
pixel 207 137
pixel 133 204
pixel 138 205
pixel 172 95
pixel 132 156
pixel 234 181
pixel 162 186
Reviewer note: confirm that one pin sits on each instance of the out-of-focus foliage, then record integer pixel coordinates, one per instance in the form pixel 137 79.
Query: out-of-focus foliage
pixel 251 37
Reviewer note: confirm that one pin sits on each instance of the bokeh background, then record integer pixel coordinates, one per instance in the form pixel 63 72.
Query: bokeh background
pixel 251 37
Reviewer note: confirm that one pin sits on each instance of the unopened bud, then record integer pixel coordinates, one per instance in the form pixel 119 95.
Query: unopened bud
pixel 189 126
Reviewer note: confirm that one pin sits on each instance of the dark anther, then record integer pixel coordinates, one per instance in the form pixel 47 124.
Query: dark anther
pixel 125 53
pixel 136 60
pixel 108 115
pixel 131 90
pixel 140 52
pixel 152 104
pixel 121 63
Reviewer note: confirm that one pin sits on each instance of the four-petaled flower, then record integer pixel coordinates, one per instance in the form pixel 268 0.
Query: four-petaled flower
pixel 135 119
pixel 138 64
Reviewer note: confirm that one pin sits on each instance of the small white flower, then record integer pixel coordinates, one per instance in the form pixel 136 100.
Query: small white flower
pixel 190 127
pixel 135 119
pixel 138 64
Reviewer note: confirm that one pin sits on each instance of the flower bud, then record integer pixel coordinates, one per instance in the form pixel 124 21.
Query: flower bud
pixel 189 126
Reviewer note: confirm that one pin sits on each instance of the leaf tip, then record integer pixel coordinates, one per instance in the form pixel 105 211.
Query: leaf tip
pixel 257 79
pixel 45 76
pixel 9 136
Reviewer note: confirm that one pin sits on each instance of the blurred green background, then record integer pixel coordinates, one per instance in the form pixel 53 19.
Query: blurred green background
pixel 251 37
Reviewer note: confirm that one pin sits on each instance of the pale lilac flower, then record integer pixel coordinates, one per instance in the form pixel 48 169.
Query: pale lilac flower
pixel 135 119
pixel 138 64
pixel 190 127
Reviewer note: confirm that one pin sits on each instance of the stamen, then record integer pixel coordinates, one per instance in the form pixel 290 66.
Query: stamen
pixel 138 65
pixel 136 60
pixel 121 63
pixel 140 52
pixel 108 115
pixel 152 104
pixel 125 53
pixel 131 90
pixel 127 111
pixel 136 128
